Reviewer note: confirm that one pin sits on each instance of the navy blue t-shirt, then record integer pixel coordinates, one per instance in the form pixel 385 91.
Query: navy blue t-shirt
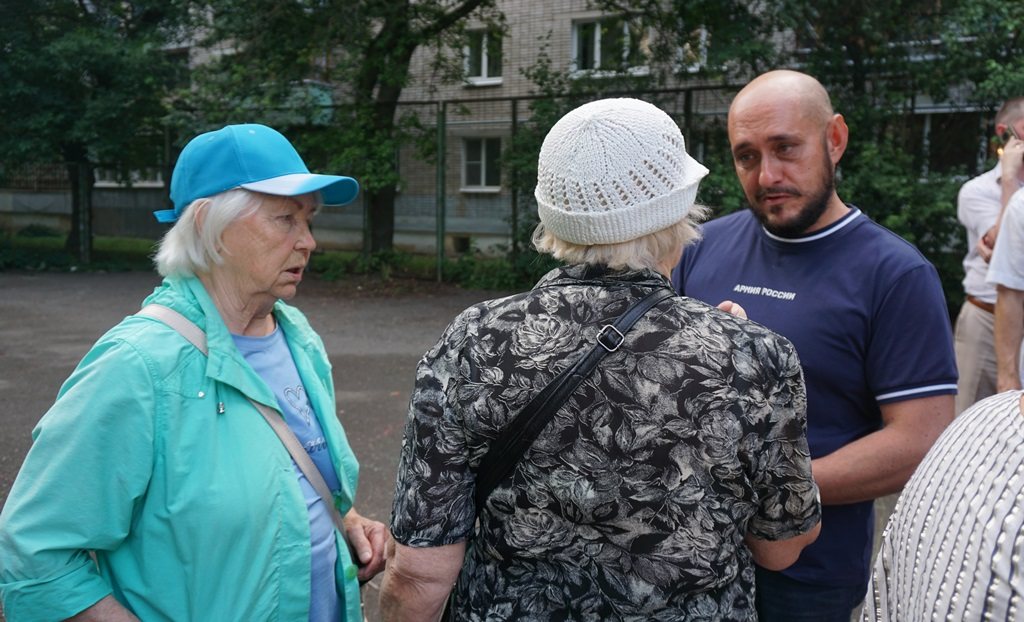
pixel 866 313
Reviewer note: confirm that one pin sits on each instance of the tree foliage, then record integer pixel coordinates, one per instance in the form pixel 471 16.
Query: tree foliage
pixel 84 83
pixel 359 52
pixel 983 41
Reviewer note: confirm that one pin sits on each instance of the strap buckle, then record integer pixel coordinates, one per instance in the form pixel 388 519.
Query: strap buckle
pixel 610 338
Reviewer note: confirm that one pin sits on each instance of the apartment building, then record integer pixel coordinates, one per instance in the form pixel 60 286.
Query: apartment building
pixel 468 187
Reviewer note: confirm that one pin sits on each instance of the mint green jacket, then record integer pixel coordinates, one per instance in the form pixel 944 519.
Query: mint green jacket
pixel 194 511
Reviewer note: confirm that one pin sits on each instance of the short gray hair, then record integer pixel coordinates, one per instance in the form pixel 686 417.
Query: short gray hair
pixel 646 251
pixel 187 250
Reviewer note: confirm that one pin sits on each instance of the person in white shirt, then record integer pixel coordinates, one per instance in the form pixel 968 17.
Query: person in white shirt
pixel 952 546
pixel 980 206
pixel 1006 274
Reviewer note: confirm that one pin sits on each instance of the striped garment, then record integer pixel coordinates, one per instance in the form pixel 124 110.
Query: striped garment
pixel 952 548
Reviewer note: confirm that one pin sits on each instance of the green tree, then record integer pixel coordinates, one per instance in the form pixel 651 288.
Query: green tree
pixel 85 84
pixel 983 42
pixel 358 53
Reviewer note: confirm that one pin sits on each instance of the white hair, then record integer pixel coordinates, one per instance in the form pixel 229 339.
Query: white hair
pixel 187 249
pixel 647 251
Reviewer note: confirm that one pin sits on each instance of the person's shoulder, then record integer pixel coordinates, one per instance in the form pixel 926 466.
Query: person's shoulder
pixel 491 312
pixel 995 418
pixel 730 228
pixel 728 223
pixel 886 245
pixel 744 333
pixel 140 346
pixel 980 192
pixel 985 183
pixel 157 344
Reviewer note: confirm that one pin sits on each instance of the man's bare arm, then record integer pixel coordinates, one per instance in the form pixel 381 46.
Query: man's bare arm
pixel 1008 333
pixel 880 463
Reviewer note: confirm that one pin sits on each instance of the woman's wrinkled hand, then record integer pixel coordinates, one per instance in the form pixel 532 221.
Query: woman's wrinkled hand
pixel 368 539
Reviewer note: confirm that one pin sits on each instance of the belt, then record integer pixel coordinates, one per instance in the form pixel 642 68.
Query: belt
pixel 981 304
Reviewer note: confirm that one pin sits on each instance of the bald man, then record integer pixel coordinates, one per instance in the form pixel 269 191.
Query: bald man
pixel 864 309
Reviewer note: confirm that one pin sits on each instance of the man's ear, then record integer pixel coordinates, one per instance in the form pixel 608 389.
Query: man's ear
pixel 837 134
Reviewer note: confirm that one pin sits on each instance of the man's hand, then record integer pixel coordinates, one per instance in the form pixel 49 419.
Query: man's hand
pixel 1011 160
pixel 731 307
pixel 368 538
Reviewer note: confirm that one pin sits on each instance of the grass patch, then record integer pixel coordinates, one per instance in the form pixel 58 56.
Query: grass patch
pixel 41 250
pixel 469 270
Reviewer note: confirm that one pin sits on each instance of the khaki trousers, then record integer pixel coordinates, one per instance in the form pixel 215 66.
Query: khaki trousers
pixel 974 342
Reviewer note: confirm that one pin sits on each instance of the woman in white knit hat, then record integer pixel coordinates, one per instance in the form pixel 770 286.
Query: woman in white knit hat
pixel 647 490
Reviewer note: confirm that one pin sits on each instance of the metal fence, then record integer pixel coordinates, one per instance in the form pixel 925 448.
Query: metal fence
pixel 438 209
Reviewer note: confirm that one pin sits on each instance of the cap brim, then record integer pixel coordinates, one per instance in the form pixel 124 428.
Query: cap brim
pixel 334 189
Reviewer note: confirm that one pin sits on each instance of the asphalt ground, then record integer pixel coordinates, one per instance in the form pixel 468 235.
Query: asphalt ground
pixel 375 332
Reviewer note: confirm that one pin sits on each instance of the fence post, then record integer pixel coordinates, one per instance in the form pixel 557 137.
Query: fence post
pixel 442 113
pixel 688 115
pixel 515 186
pixel 84 213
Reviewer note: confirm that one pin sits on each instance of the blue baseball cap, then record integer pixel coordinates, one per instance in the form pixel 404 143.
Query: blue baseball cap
pixel 253 157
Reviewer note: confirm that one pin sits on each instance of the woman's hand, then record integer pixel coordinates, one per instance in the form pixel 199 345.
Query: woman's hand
pixel 367 539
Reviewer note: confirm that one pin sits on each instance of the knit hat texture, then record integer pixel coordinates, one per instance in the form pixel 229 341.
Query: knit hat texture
pixel 614 170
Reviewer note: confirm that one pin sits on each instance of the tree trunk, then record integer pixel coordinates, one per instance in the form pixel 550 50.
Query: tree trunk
pixel 79 241
pixel 380 202
pixel 380 214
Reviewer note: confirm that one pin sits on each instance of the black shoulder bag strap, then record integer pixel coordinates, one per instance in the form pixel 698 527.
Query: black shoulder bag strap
pixel 508 448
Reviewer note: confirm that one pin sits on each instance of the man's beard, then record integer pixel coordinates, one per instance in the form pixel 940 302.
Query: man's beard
pixel 816 205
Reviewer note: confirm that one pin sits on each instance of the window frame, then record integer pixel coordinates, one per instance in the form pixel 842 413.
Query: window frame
pixel 485 78
pixel 483 186
pixel 626 41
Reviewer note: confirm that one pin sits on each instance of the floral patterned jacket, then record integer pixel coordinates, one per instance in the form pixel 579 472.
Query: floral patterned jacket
pixel 634 501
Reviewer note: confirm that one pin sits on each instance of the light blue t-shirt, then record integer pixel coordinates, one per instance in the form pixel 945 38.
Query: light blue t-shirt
pixel 272 360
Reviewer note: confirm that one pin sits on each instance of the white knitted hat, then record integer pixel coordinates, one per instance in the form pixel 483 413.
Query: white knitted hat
pixel 613 170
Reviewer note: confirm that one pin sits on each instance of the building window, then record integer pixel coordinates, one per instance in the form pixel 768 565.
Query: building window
pixel 610 44
pixel 481 164
pixel 483 57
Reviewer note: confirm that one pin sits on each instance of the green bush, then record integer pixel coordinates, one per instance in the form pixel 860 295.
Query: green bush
pixel 39 231
pixel 41 251
pixel 334 265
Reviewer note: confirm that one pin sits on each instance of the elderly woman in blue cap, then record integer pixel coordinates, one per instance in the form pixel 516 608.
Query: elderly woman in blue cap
pixel 192 466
